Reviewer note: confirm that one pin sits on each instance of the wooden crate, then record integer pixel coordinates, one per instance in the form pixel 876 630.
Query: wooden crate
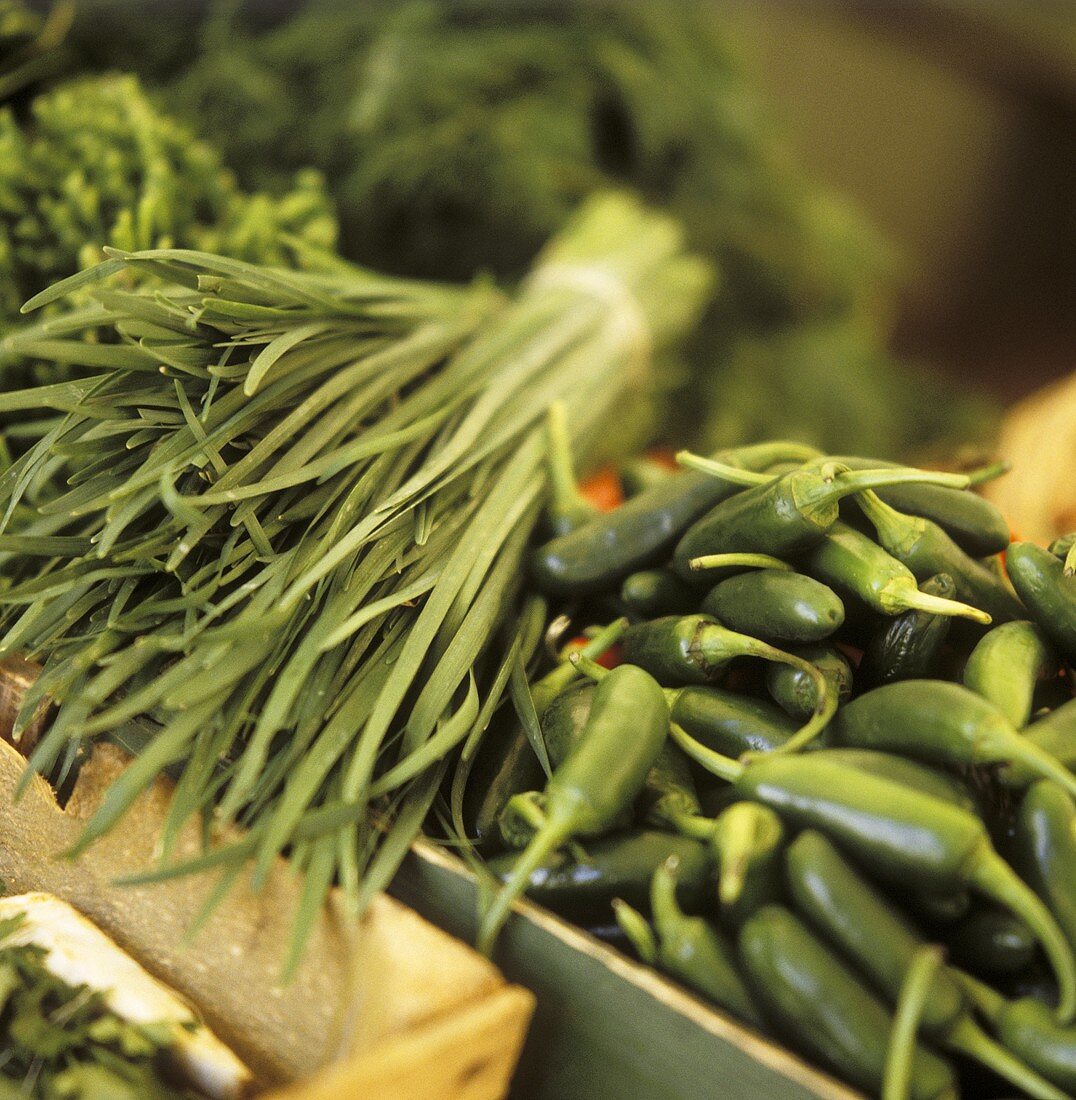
pixel 392 1007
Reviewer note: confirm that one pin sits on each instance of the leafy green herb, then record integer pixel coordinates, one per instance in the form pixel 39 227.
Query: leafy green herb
pixel 62 1042
pixel 297 515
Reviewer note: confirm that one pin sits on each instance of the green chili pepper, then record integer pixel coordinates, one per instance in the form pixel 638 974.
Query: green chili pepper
pixel 653 592
pixel 776 605
pixel 644 529
pixel 1046 845
pixel 565 719
pixel 1055 733
pixel 603 774
pixel 506 764
pixel 907 647
pixel 1048 592
pixel 863 926
pixel 1029 1030
pixel 694 951
pixel 938 721
pixel 905 836
pixel 1006 665
pixel 926 550
pixel 824 1009
pixel 729 723
pixel 748 840
pixel 622 865
pixel 638 931
pixel 970 520
pixel 851 562
pixel 788 514
pixel 796 693
pixel 909 773
pixel 567 508
pixel 694 649
pixel 990 942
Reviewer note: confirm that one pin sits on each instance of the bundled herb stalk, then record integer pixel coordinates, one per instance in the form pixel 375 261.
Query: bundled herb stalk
pixel 298 511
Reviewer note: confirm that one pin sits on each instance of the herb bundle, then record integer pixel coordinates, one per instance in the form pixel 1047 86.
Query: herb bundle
pixel 297 515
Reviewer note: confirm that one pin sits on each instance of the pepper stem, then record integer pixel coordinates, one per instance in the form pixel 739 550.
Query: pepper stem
pixel 635 926
pixel 589 668
pixel 1070 560
pixel 692 825
pixel 1017 749
pixel 968 1038
pixel 735 474
pixel 724 767
pixel 905 595
pixel 995 878
pixel 663 904
pixel 748 561
pixel 856 481
pixel 988 473
pixel 986 1000
pixel 545 690
pixel 900 1055
pixel 826 698
pixel 553 833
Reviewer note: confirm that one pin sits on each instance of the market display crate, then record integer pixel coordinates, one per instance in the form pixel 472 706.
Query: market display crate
pixel 394 1008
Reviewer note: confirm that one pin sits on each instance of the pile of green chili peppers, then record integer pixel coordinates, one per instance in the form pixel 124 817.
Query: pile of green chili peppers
pixel 810 753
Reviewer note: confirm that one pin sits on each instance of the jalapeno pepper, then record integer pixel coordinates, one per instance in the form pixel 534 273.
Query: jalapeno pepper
pixel 926 550
pixel 1028 1029
pixel 653 592
pixel 990 942
pixel 644 529
pixel 785 515
pixel 621 865
pixel 604 773
pixel 506 764
pixel 694 951
pixel 796 693
pixel 863 926
pixel 694 649
pixel 905 836
pixel 1055 733
pixel 1006 665
pixel 748 841
pixel 729 723
pixel 776 605
pixel 935 720
pixel 908 646
pixel 823 1007
pixel 971 521
pixel 909 773
pixel 1048 592
pixel 852 563
pixel 1046 845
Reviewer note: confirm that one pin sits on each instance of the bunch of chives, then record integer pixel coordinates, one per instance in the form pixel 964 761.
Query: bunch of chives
pixel 288 561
